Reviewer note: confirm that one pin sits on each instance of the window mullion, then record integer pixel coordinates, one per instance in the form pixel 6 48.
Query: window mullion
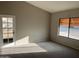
pixel 69 27
pixel 7 30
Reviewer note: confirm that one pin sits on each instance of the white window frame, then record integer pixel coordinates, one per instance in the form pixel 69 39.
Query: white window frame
pixel 14 28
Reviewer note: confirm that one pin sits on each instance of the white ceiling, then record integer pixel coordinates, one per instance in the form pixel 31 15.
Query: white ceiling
pixel 55 6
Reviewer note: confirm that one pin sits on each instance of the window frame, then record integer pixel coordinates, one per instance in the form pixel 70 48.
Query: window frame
pixel 14 28
pixel 68 26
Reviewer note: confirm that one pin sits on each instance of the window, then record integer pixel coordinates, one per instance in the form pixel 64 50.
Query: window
pixel 74 28
pixel 7 29
pixel 69 27
pixel 64 24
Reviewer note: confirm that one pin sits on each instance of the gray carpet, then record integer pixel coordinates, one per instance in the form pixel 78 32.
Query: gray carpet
pixel 39 50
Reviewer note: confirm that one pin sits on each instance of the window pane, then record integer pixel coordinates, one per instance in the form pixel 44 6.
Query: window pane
pixel 4 25
pixel 10 20
pixel 74 28
pixel 4 19
pixel 10 31
pixel 63 29
pixel 5 31
pixel 10 40
pixel 5 40
pixel 10 35
pixel 5 36
pixel 10 25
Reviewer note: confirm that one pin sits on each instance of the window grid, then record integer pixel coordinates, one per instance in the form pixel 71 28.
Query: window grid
pixel 8 34
pixel 73 28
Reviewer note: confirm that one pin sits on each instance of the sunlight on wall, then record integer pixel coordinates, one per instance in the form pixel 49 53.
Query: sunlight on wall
pixel 24 40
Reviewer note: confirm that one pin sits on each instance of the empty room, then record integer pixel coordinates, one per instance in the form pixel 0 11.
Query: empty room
pixel 39 29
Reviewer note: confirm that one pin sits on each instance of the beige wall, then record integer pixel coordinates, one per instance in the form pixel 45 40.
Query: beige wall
pixel 32 23
pixel 74 43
